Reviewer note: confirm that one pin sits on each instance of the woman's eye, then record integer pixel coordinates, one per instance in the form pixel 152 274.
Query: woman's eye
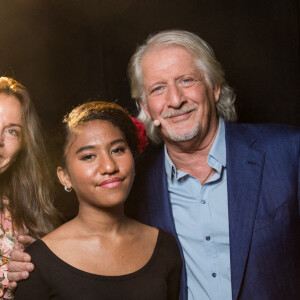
pixel 13 132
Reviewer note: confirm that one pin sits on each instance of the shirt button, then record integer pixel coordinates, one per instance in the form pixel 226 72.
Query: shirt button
pixel 203 201
pixel 214 275
pixel 208 238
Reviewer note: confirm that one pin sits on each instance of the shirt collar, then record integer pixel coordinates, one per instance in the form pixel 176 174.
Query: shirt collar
pixel 169 166
pixel 218 149
pixel 216 156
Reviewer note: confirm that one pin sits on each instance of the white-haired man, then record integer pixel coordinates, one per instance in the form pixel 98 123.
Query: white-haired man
pixel 228 192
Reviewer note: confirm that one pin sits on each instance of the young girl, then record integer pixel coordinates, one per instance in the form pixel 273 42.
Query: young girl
pixel 25 182
pixel 101 253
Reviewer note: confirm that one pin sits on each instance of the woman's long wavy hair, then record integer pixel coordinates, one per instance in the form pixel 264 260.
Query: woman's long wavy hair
pixel 28 183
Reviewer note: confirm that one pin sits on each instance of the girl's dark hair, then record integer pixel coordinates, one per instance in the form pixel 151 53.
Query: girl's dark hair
pixel 99 110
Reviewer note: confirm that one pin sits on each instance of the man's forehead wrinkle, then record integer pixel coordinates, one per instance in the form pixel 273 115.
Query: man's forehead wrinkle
pixel 158 78
pixel 160 54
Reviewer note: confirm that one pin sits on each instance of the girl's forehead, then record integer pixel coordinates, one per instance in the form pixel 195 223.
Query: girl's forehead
pixel 103 127
pixel 96 131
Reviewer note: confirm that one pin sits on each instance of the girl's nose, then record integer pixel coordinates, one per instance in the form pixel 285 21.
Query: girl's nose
pixel 108 165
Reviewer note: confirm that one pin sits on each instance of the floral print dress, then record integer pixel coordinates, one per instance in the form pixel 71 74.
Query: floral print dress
pixel 8 239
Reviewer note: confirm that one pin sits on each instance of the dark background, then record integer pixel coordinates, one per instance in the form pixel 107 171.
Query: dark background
pixel 68 51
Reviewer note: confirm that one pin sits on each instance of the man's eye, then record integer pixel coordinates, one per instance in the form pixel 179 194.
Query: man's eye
pixel 157 90
pixel 186 82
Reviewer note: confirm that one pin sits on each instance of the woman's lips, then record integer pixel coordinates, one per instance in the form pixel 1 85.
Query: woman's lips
pixel 111 183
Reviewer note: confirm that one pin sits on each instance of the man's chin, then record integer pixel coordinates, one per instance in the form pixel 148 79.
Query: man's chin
pixel 182 136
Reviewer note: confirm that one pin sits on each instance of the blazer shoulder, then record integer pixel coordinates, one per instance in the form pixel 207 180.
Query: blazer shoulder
pixel 267 134
pixel 149 158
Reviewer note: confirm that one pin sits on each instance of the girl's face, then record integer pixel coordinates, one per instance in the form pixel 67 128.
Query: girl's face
pixel 10 130
pixel 100 165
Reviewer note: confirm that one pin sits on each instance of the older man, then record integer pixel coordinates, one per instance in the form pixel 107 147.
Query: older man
pixel 228 192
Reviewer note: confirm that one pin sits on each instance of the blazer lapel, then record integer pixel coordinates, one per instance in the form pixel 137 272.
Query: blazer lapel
pixel 244 177
pixel 159 203
pixel 160 210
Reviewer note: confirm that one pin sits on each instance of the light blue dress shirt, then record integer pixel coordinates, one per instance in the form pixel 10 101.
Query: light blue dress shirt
pixel 201 220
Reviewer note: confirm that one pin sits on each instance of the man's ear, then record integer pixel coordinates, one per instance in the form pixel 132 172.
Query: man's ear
pixel 63 177
pixel 144 108
pixel 217 91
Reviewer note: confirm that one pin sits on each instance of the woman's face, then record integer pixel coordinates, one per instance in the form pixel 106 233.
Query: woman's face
pixel 10 130
pixel 100 165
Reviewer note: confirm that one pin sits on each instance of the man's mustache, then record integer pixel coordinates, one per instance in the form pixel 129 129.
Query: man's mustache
pixel 180 111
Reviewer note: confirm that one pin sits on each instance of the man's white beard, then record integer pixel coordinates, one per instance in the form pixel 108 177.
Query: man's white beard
pixel 183 136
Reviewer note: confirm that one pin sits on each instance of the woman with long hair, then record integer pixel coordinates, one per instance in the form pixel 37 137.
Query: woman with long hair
pixel 101 253
pixel 25 182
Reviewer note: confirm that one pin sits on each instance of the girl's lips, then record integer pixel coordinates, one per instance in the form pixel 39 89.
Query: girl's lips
pixel 111 183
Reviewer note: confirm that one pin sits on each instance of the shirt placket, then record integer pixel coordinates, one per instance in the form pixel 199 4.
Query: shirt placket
pixel 209 245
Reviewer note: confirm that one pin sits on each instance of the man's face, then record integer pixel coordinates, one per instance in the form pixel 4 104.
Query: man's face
pixel 177 94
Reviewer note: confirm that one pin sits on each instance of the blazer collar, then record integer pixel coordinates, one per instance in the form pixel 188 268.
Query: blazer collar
pixel 157 208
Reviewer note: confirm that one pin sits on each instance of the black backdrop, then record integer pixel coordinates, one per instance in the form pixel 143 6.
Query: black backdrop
pixel 68 51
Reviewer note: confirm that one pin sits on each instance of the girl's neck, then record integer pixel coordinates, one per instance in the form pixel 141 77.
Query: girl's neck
pixel 95 221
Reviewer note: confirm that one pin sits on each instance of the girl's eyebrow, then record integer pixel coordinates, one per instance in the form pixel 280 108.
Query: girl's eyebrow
pixel 117 141
pixel 93 146
pixel 84 148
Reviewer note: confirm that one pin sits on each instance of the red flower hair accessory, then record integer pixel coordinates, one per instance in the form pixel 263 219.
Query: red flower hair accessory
pixel 141 132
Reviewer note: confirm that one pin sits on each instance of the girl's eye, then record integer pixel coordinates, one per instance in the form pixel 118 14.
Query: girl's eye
pixel 87 157
pixel 118 150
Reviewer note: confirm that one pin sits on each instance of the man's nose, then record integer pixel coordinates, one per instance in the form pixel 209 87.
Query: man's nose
pixel 175 96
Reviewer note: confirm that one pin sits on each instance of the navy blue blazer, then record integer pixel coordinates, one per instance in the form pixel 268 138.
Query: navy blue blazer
pixel 263 167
